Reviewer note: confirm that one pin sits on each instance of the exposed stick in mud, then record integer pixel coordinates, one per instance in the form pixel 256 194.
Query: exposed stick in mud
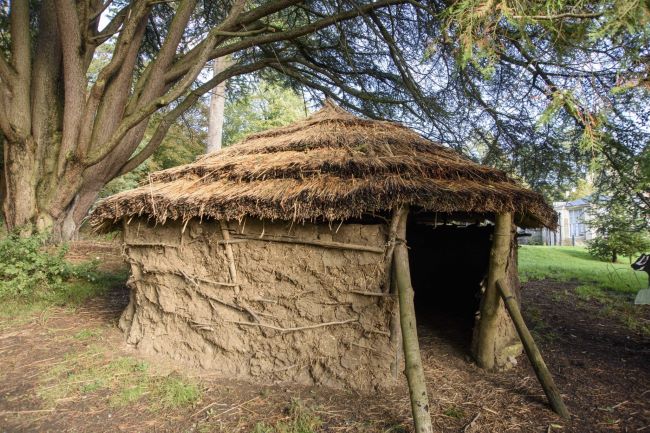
pixel 298 328
pixel 313 242
pixel 229 254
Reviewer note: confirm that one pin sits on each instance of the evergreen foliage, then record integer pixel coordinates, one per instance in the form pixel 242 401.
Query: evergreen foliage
pixel 620 231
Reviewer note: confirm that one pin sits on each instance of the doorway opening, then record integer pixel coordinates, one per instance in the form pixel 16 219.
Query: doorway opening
pixel 448 264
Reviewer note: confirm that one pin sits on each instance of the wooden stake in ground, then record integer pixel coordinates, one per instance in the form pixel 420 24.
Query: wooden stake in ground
pixel 487 332
pixel 414 371
pixel 534 355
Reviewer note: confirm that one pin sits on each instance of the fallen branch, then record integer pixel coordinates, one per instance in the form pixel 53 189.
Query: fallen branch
pixel 471 423
pixel 18 412
pixel 214 403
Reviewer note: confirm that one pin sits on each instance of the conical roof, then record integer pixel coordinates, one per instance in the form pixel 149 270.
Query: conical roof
pixel 329 166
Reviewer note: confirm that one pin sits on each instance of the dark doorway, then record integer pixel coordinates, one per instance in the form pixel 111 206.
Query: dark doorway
pixel 448 263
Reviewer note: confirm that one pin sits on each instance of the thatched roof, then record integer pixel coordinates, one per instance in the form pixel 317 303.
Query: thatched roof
pixel 330 166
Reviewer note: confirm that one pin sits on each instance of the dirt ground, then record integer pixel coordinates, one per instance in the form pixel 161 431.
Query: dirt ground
pixel 600 365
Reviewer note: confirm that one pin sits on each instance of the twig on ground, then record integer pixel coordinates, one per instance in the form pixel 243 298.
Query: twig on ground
pixel 471 423
pixel 214 403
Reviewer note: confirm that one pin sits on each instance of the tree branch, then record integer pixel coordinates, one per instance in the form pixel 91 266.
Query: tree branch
pixel 20 37
pixel 579 116
pixel 175 33
pixel 5 126
pixel 112 27
pixel 123 48
pixel 580 15
pixel 164 100
pixel 7 72
pixel 244 22
pixel 361 94
pixel 74 78
pixel 21 57
pixel 152 83
pixel 169 118
pixel 101 10
pixel 182 65
pixel 402 67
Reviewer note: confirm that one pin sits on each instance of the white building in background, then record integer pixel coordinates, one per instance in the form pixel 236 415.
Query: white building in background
pixel 572 228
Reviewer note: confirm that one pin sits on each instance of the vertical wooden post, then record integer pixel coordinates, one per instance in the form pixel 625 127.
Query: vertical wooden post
pixel 390 285
pixel 232 269
pixel 491 302
pixel 414 371
pixel 534 355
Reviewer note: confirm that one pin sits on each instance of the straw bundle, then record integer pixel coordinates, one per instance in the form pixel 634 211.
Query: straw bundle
pixel 330 166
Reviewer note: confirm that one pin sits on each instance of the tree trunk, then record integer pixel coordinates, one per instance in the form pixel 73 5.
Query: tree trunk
pixel 30 200
pixel 20 177
pixel 69 129
pixel 414 371
pixel 217 107
pixel 491 304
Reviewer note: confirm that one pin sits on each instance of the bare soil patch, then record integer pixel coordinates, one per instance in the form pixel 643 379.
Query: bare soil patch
pixel 600 365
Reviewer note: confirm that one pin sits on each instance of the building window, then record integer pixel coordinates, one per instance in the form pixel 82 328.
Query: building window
pixel 577 222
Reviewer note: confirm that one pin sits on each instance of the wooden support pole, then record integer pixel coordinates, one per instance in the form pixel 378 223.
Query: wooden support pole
pixel 395 326
pixel 414 371
pixel 490 304
pixel 390 286
pixel 534 355
pixel 390 247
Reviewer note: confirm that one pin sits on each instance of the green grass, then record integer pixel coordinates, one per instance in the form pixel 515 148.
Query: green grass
pixel 300 419
pixel 88 334
pixel 71 294
pixel 454 412
pixel 612 285
pixel 120 381
pixel 575 263
pixel 174 391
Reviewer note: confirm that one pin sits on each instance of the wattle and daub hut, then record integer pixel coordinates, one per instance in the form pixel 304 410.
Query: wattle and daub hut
pixel 280 257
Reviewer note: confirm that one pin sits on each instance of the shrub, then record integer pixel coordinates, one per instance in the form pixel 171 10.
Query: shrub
pixel 31 270
pixel 609 247
pixel 621 227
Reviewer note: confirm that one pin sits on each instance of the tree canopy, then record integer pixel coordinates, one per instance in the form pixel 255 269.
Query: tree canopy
pixel 547 90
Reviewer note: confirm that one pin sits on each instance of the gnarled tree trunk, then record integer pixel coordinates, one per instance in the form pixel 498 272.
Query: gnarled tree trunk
pixel 68 130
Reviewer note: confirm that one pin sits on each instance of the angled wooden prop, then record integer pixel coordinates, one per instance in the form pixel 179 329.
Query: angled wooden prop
pixel 413 371
pixel 534 355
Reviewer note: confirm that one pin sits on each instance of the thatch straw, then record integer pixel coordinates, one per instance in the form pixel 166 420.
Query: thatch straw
pixel 330 166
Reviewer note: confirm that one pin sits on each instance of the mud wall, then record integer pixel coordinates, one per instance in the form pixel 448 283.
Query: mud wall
pixel 294 316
